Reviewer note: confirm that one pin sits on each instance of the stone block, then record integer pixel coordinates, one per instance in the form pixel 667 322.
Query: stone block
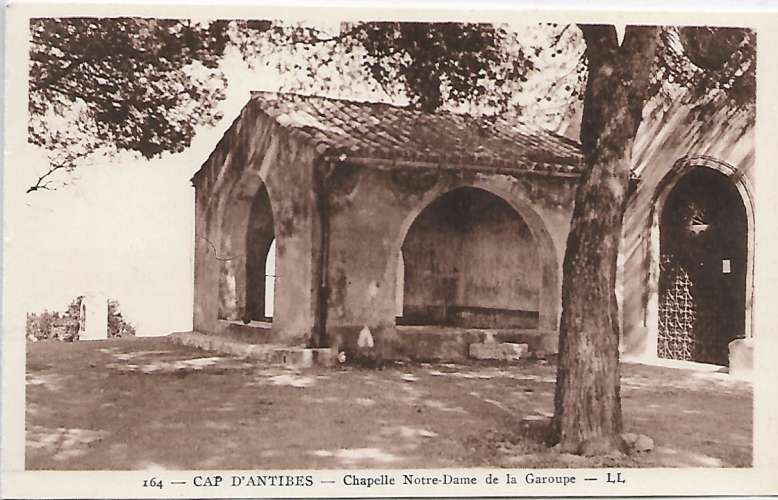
pixel 274 354
pixel 741 357
pixel 423 343
pixel 637 443
pixel 505 351
pixel 643 444
pixel 542 343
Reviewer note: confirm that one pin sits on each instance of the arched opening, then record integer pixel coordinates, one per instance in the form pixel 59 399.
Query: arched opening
pixel 470 260
pixel 270 280
pixel 703 266
pixel 260 259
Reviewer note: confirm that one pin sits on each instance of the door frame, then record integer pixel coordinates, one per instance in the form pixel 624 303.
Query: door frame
pixel 663 190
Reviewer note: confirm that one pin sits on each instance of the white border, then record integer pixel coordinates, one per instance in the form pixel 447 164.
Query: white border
pixel 759 480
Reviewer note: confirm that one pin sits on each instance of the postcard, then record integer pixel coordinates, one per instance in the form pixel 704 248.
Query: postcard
pixel 328 250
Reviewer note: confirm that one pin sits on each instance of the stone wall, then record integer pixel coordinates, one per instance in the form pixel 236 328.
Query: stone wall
pixel 256 155
pixel 499 266
pixel 373 210
pixel 670 142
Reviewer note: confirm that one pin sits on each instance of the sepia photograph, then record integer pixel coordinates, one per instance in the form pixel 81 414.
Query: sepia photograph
pixel 401 248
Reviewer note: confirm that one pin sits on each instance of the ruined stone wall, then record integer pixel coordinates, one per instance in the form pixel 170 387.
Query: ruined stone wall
pixel 255 153
pixel 670 141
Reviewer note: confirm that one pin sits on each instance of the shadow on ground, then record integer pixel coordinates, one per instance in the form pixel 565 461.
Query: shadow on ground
pixel 148 404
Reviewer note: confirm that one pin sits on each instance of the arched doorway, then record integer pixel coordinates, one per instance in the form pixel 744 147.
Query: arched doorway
pixel 470 260
pixel 260 260
pixel 703 266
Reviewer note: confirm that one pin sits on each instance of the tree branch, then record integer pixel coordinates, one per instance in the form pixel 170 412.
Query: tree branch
pixel 40 184
pixel 317 41
pixel 636 56
pixel 600 39
pixel 558 36
pixel 574 67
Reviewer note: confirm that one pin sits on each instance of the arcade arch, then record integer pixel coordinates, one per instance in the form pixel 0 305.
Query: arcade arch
pixel 469 259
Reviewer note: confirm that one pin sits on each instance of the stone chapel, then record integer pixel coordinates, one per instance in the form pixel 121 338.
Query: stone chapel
pixel 318 217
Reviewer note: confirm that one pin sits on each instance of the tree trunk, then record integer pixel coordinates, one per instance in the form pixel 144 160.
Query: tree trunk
pixel 587 404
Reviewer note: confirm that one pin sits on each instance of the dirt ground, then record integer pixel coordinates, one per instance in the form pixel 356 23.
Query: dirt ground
pixel 146 404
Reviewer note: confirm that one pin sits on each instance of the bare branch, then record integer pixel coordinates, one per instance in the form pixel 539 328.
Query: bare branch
pixel 317 41
pixel 573 68
pixel 40 184
pixel 558 36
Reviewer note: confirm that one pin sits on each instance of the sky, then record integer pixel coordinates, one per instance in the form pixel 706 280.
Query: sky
pixel 122 228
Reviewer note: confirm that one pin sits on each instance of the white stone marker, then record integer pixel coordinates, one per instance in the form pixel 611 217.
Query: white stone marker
pixel 94 324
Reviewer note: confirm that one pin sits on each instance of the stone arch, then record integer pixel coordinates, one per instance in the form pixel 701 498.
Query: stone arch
pixel 240 204
pixel 260 241
pixel 549 289
pixel 662 193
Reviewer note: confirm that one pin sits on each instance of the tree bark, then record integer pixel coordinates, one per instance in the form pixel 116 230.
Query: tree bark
pixel 587 404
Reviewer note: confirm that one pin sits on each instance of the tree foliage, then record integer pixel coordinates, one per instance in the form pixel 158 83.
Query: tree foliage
pixel 67 325
pixel 121 84
pixel 712 65
pixel 100 86
pixel 424 65
pixel 55 325
pixel 40 326
pixel 117 325
pixel 435 63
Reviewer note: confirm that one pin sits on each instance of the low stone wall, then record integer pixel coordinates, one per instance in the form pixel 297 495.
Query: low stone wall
pixel 431 343
pixel 414 343
pixel 274 354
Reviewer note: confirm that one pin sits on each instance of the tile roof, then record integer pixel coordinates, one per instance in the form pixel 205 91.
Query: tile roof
pixel 377 131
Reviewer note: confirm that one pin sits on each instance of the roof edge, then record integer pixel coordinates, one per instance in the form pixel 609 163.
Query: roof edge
pixel 388 164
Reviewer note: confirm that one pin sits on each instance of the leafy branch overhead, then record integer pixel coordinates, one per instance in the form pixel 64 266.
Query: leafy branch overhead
pixel 445 63
pixel 99 86
pixel 126 84
pixel 425 65
pixel 713 65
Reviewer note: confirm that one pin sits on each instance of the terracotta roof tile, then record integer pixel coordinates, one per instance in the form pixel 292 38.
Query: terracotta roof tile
pixel 379 131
